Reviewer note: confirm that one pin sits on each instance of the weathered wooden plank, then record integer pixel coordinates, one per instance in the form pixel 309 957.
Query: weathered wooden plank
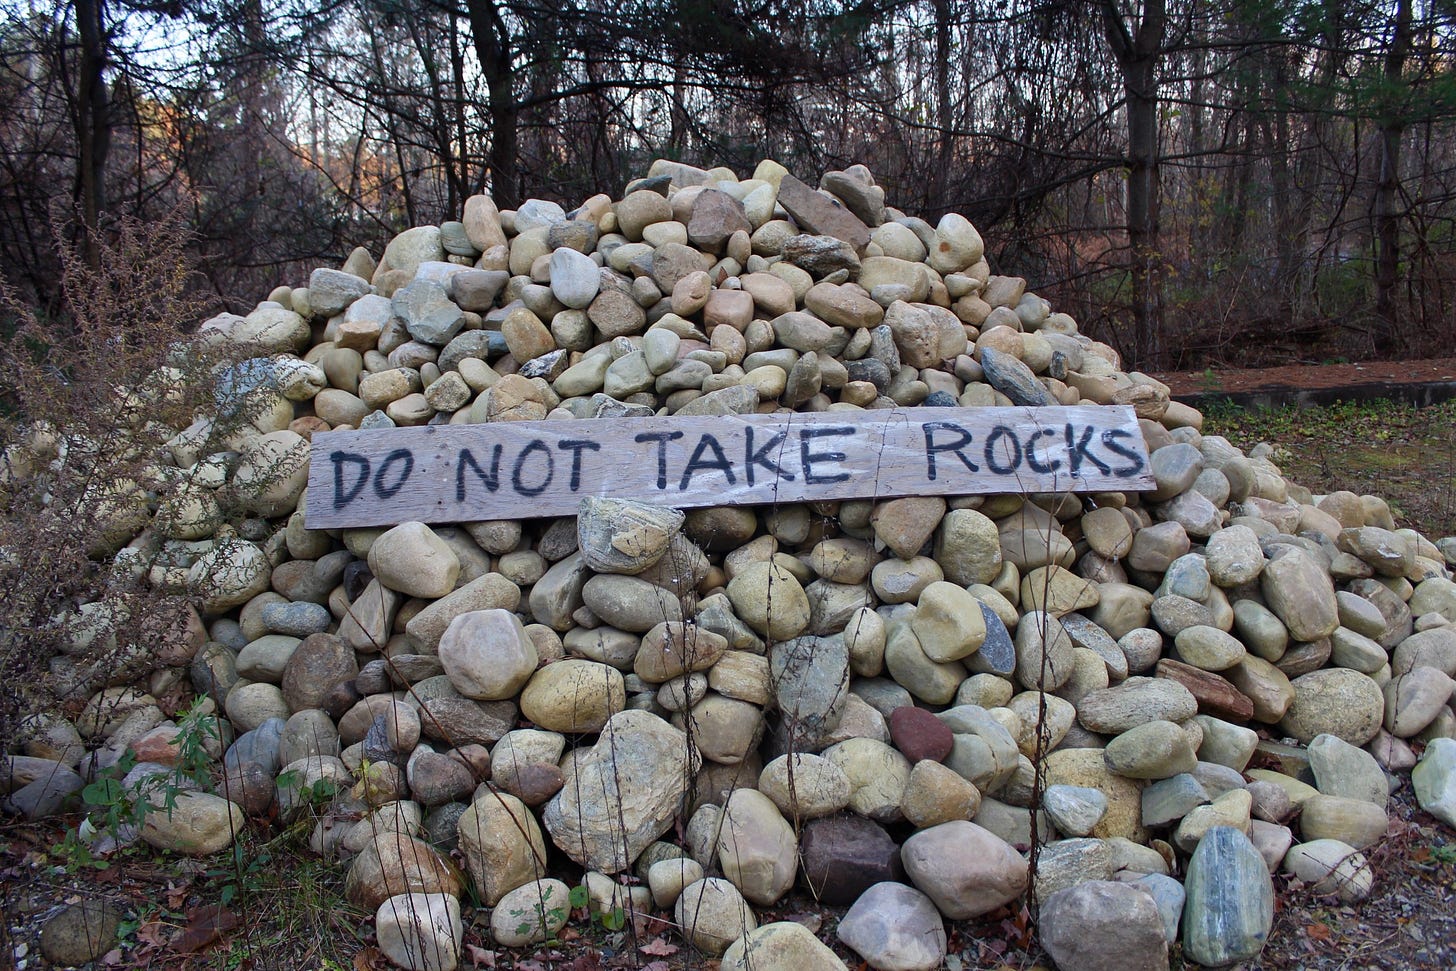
pixel 519 470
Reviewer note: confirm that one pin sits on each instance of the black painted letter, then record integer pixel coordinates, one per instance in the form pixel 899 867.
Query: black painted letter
pixel 1110 439
pixel 534 445
pixel 954 448
pixel 489 478
pixel 1077 449
pixel 399 455
pixel 697 463
pixel 661 438
pixel 1037 465
pixel 1003 433
pixel 752 456
pixel 576 446
pixel 808 458
pixel 341 497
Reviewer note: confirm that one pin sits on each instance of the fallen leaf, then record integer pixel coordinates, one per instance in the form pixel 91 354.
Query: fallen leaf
pixel 176 896
pixel 153 932
pixel 1319 932
pixel 370 959
pixel 655 966
pixel 586 961
pixel 207 925
pixel 480 957
pixel 658 947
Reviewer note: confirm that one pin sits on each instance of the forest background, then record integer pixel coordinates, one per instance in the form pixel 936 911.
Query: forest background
pixel 1198 182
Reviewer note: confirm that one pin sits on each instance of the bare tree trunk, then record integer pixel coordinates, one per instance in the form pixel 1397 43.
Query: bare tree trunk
pixel 493 49
pixel 93 120
pixel 1387 191
pixel 939 202
pixel 1137 54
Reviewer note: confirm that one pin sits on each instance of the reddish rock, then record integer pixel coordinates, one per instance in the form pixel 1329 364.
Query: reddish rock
pixel 818 214
pixel 919 735
pixel 843 856
pixel 1215 694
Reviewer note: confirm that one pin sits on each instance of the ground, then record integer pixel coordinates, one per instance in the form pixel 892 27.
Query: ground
pixel 278 907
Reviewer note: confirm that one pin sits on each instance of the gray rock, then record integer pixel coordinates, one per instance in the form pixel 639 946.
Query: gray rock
pixel 1014 379
pixel 964 868
pixel 1230 900
pixel 627 790
pixel 811 682
pixel 429 314
pixel 1434 780
pixel 1075 810
pixel 1102 925
pixel 895 928
pixel 80 933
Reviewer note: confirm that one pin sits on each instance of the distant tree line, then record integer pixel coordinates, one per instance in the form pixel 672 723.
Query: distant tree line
pixel 1197 181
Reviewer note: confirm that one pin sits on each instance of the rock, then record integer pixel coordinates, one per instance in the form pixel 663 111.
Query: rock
pixel 625 792
pixel 411 559
pixel 936 793
pixel 1112 711
pixel 195 824
pixel 502 845
pixel 965 869
pixel 1341 769
pixel 919 735
pixel 420 931
pixel 575 278
pixel 1334 701
pixel 770 600
pixel 1102 925
pixel 842 856
pixel 80 933
pixel 877 776
pixel 712 915
pixel 1330 866
pixel 487 655
pixel 1014 379
pixel 667 878
pixel 895 928
pixel 786 945
pixel 317 666
pixel 573 696
pixel 1153 750
pixel 1354 821
pixel 1301 595
pixel 805 786
pixel 818 215
pixel 429 314
pixel 1415 699
pixel 811 683
pixel 1434 780
pixel 392 864
pixel 1229 909
pixel 532 913
pixel 1075 810
pixel 624 536
pixel 756 847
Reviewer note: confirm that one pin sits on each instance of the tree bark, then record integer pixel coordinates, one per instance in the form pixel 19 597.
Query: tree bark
pixel 93 120
pixel 1137 54
pixel 492 38
pixel 1387 191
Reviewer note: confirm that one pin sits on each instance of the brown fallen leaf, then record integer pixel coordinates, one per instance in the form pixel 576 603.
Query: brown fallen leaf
pixel 370 959
pixel 480 957
pixel 659 947
pixel 206 926
pixel 1318 931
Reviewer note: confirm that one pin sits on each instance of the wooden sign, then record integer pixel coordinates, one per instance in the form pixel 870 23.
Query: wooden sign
pixel 522 470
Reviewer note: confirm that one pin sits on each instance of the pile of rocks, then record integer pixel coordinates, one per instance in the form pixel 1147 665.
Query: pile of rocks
pixel 887 702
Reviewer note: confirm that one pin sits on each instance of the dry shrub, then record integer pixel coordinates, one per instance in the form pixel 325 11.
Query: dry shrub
pixel 89 398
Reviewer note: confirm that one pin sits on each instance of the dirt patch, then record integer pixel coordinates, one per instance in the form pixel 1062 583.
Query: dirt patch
pixel 1309 376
